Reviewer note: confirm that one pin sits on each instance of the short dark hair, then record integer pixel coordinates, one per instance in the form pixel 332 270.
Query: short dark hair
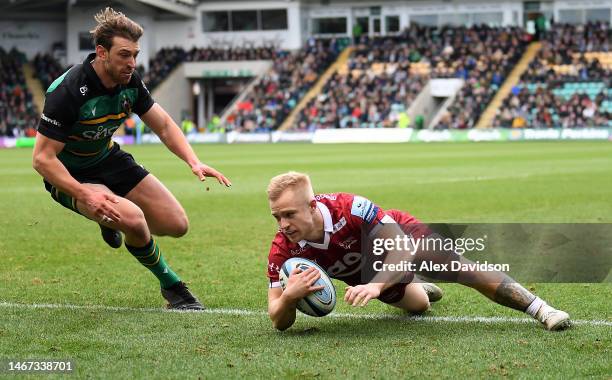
pixel 111 24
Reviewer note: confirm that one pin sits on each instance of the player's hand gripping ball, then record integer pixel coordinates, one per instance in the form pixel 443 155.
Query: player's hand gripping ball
pixel 318 303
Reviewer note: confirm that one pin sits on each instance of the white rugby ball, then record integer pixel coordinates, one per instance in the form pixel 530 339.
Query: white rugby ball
pixel 316 304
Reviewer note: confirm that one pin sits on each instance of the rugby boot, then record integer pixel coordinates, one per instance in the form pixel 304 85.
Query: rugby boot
pixel 180 298
pixel 111 237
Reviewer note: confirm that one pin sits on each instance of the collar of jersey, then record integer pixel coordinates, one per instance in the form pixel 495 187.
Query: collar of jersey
pixel 328 227
pixel 91 74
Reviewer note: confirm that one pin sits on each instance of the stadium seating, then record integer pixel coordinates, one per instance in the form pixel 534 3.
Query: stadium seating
pixel 375 88
pixel 567 85
pixel 166 59
pixel 384 76
pixel 272 99
pixel 376 97
pixel 279 91
pixel 18 116
pixel 47 69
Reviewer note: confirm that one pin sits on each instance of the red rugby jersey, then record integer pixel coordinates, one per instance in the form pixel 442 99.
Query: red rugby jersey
pixel 344 215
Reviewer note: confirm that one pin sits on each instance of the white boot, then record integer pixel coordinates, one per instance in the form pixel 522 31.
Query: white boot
pixel 553 319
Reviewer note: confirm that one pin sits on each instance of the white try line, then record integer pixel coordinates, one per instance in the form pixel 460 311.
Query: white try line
pixel 258 313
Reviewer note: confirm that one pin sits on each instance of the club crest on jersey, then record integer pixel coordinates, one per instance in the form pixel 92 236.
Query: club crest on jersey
pixel 126 105
pixel 348 242
pixel 83 90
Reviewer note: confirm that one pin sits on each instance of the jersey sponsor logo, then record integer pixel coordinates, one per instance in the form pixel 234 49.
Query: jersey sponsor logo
pixel 371 214
pixel 338 226
pixel 331 197
pixel 51 121
pixel 101 133
pixel 364 209
pixel 83 90
pixel 298 251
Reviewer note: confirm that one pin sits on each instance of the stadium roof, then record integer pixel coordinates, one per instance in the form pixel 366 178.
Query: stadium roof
pixel 56 9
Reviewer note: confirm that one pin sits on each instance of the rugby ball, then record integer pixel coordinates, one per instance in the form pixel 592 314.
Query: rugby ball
pixel 319 303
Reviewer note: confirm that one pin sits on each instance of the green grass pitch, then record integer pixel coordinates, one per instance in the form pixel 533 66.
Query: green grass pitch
pixel 51 256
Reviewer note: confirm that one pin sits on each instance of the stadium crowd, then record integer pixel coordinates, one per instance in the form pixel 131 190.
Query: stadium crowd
pixel 47 69
pixel 279 91
pixel 271 100
pixel 483 57
pixel 166 59
pixel 566 85
pixel 18 116
pixel 363 98
pixel 160 66
pixel 385 74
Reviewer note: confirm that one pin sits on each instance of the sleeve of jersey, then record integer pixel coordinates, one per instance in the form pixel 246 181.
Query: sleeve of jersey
pixel 276 258
pixel 364 212
pixel 144 101
pixel 58 115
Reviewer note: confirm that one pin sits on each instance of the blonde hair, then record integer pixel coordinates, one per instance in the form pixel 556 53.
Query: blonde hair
pixel 290 180
pixel 111 24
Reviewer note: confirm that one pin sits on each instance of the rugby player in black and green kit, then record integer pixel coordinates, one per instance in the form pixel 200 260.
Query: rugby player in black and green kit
pixel 85 171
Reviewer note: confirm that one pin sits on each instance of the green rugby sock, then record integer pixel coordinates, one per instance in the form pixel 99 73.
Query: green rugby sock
pixel 151 257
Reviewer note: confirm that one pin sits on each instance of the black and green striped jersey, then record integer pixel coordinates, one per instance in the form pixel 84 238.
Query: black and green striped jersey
pixel 82 113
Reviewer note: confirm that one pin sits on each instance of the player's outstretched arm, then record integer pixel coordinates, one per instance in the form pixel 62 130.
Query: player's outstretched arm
pixel 46 163
pixel 171 135
pixel 282 304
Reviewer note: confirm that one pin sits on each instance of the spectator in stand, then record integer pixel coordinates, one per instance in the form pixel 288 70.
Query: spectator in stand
pixel 162 64
pixel 482 56
pixel 47 69
pixel 560 61
pixel 363 99
pixel 18 116
pixel 231 54
pixel 279 91
pixel 167 59
pixel 383 76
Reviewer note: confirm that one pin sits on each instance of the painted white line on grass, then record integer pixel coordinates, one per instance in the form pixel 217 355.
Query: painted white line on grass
pixel 333 315
pixel 475 319
pixel 124 308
